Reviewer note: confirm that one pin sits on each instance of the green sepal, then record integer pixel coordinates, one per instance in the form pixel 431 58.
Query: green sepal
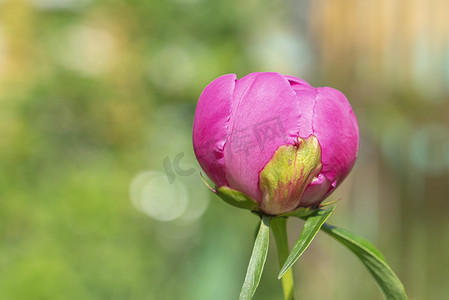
pixel 287 174
pixel 301 212
pixel 236 198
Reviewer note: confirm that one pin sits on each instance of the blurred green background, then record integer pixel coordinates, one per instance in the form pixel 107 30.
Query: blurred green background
pixel 97 100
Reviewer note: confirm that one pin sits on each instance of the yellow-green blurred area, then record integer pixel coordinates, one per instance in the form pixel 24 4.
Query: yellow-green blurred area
pixel 96 107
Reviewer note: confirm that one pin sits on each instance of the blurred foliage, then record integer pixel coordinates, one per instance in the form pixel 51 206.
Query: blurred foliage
pixel 95 94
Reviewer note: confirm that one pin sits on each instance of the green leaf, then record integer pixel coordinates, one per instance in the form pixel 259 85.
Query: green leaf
pixel 387 280
pixel 257 261
pixel 236 198
pixel 311 227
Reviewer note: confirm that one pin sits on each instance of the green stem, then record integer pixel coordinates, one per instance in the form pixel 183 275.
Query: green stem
pixel 279 227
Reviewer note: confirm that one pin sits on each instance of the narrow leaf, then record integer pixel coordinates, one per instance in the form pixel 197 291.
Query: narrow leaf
pixel 312 225
pixel 388 282
pixel 257 261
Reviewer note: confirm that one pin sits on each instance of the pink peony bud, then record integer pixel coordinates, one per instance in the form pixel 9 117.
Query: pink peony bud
pixel 274 138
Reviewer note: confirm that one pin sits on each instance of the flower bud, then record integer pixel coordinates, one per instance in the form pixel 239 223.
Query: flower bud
pixel 275 139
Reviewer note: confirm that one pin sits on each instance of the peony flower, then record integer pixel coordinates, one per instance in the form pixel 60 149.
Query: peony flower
pixel 274 139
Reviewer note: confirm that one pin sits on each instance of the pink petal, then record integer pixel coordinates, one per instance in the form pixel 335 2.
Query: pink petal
pixel 335 126
pixel 210 126
pixel 294 81
pixel 316 191
pixel 265 115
